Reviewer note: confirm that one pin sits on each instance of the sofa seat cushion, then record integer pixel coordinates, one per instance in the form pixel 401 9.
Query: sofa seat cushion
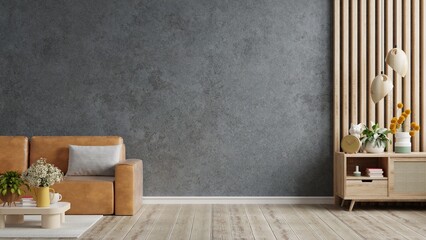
pixel 87 194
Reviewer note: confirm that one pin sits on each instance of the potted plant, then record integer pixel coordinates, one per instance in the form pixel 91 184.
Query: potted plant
pixel 10 187
pixel 375 140
pixel 40 176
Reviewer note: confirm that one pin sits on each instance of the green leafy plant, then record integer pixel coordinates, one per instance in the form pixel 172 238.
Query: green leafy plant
pixel 376 135
pixel 10 182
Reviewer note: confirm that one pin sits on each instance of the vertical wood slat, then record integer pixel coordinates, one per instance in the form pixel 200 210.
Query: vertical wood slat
pixel 336 67
pixel 415 75
pixel 389 17
pixel 363 96
pixel 423 75
pixel 380 110
pixel 406 46
pixel 354 62
pixel 398 42
pixel 345 67
pixel 371 70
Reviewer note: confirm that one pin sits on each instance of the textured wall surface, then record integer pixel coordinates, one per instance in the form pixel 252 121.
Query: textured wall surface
pixel 218 97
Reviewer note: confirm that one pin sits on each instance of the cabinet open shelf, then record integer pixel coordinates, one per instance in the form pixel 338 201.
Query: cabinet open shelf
pixel 403 177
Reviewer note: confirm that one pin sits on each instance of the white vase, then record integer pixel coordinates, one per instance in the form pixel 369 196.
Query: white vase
pixel 372 148
pixel 402 142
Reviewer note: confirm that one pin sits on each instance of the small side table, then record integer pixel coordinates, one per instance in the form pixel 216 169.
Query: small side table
pixel 51 217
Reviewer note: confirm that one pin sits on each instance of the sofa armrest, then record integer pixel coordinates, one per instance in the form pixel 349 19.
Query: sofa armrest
pixel 128 187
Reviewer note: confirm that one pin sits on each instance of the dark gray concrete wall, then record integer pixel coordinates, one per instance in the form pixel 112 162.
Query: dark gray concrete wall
pixel 217 97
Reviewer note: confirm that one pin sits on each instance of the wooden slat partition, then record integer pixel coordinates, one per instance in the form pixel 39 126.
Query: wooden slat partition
pixel 364 31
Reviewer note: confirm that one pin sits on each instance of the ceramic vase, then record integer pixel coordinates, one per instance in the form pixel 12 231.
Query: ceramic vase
pixel 43 196
pixel 371 148
pixel 402 142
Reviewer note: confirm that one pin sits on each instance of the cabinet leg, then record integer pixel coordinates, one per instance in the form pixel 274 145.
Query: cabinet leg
pixel 352 205
pixel 342 203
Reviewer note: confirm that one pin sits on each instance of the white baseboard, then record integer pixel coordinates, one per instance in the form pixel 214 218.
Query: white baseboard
pixel 238 200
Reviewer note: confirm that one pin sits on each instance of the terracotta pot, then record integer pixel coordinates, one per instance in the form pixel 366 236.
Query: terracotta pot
pixel 9 199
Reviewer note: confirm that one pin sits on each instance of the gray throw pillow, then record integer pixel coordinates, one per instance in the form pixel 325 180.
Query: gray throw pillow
pixel 93 160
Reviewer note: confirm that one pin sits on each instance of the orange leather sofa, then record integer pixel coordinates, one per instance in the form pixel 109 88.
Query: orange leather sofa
pixel 120 194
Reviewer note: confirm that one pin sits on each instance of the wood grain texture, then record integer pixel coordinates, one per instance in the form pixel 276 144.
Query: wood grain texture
pixel 202 227
pixel 345 68
pixel 406 46
pixel 258 223
pixel 278 224
pixel 165 222
pixel 240 225
pixel 262 222
pixel 363 96
pixel 389 17
pixel 422 135
pixel 415 70
pixel 380 109
pixel 296 223
pixel 371 54
pixel 183 226
pixel 221 222
pixel 354 61
pixel 143 227
pixel 336 75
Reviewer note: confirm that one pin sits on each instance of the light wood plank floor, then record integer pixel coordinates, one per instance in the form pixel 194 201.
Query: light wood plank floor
pixel 204 222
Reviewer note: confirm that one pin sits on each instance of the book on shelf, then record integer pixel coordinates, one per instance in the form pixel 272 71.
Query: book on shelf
pixel 375 175
pixel 374 169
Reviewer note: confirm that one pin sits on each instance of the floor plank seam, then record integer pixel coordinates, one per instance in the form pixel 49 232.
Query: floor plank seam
pixel 269 224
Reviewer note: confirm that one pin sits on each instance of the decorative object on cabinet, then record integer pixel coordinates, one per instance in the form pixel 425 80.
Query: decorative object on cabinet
pixel 356 130
pixel 397 126
pixel 357 173
pixel 403 178
pixel 375 140
pixel 350 144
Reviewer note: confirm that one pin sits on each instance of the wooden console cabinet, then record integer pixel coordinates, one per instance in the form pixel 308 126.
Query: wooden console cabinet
pixel 404 177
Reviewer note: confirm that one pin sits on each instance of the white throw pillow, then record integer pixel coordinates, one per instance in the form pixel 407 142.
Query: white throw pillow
pixel 93 160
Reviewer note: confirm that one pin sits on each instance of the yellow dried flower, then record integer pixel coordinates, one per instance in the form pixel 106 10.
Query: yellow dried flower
pixel 404 115
pixel 413 124
pixel 393 131
pixel 417 128
pixel 408 111
pixel 411 133
pixel 400 105
pixel 394 120
pixel 392 126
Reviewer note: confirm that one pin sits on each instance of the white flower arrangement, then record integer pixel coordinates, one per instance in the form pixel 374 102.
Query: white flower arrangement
pixel 42 174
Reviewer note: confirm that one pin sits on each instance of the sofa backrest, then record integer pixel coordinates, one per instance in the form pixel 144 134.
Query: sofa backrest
pixel 56 150
pixel 13 153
